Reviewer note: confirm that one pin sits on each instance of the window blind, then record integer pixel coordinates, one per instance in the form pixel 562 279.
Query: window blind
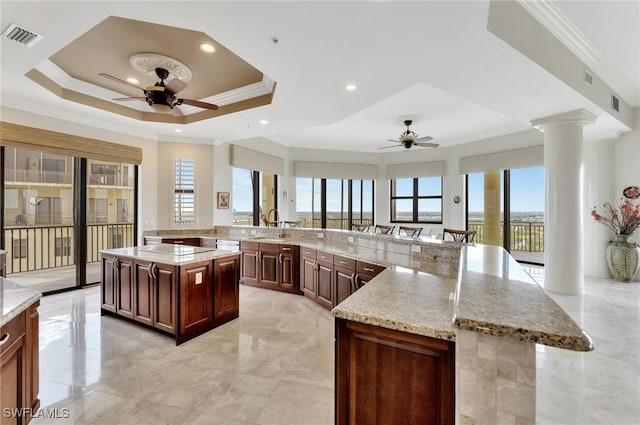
pixel 184 190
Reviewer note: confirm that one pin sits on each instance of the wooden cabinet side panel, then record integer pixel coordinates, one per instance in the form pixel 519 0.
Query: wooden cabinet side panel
pixel 108 284
pixel 249 264
pixel 165 301
pixel 226 278
pixel 32 338
pixel 390 377
pixel 124 293
pixel 196 296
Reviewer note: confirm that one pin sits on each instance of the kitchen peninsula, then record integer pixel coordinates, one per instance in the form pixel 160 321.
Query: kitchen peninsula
pixel 179 290
pixel 446 331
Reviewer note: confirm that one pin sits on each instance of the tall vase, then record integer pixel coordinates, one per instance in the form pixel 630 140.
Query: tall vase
pixel 623 258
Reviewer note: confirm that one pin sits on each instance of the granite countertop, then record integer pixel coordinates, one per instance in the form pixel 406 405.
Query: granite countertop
pixel 493 294
pixel 14 299
pixel 176 255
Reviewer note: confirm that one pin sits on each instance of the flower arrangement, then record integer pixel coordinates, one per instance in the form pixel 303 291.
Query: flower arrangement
pixel 623 219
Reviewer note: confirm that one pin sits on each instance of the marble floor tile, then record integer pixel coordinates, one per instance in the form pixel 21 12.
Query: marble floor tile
pixel 275 364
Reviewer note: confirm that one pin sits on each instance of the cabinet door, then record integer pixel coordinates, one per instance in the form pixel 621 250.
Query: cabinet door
pixel 165 298
pixel 410 380
pixel 143 292
pixel 3 264
pixel 288 271
pixel 226 279
pixel 308 277
pixel 124 293
pixel 324 296
pixel 12 385
pixel 249 264
pixel 32 352
pixel 108 286
pixel 344 283
pixel 269 265
pixel 196 297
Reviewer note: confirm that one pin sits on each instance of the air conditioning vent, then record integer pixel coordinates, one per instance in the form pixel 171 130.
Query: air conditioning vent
pixel 588 77
pixel 615 103
pixel 21 35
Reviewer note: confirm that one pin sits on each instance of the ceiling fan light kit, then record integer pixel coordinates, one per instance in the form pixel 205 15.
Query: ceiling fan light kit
pixel 408 139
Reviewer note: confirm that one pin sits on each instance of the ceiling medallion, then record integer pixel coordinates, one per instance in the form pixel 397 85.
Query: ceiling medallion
pixel 147 63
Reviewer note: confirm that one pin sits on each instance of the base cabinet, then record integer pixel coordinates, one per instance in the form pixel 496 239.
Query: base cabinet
pixel 19 366
pixel 390 377
pixel 3 263
pixel 183 301
pixel 271 266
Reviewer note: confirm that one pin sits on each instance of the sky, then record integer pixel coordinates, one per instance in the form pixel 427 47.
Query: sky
pixel 527 191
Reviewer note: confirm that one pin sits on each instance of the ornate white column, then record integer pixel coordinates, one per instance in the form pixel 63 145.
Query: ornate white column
pixel 564 208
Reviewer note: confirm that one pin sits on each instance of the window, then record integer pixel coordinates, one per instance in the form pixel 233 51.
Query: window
pixel 333 203
pixel 97 210
pixel 63 246
pixel 254 197
pixel 184 190
pixel 19 248
pixel 416 200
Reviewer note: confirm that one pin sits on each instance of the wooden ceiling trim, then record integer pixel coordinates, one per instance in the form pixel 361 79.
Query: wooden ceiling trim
pixel 20 136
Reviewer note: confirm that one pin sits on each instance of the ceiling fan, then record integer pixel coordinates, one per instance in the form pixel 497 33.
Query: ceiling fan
pixel 161 97
pixel 409 138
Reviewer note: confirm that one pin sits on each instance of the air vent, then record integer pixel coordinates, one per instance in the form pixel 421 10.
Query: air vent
pixel 615 103
pixel 21 35
pixel 588 77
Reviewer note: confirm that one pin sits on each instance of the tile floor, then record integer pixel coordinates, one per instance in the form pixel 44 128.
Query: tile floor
pixel 274 365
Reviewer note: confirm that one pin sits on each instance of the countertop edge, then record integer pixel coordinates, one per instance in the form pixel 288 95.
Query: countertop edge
pixel 17 310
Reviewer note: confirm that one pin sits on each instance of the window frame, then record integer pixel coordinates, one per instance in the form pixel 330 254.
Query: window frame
pixel 175 192
pixel 415 198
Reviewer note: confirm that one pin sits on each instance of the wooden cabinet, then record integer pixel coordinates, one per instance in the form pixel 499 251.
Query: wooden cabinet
pixel 19 365
pixel 226 297
pixel 385 376
pixel 108 279
pixel 124 287
pixel 154 295
pixel 270 265
pixel 365 272
pixel 151 240
pixel 3 263
pixel 317 277
pixel 344 276
pixel 196 299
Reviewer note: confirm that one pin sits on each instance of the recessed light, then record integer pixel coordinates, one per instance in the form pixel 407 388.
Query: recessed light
pixel 133 81
pixel 264 122
pixel 206 47
pixel 177 130
pixel 350 87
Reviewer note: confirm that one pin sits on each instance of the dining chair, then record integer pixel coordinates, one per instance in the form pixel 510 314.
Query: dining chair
pixel 412 232
pixel 359 227
pixel 459 235
pixel 291 223
pixel 384 229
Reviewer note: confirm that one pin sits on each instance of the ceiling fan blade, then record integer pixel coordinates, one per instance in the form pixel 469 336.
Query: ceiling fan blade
pixel 122 99
pixel 423 139
pixel 175 86
pixel 118 80
pixel 391 140
pixel 176 112
pixel 387 147
pixel 199 104
pixel 426 145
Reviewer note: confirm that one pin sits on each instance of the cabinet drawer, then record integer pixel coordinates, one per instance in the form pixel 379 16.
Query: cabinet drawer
pixel 183 241
pixel 309 252
pixel 246 245
pixel 347 263
pixel 368 268
pixel 269 247
pixel 12 331
pixel 324 257
pixel 287 248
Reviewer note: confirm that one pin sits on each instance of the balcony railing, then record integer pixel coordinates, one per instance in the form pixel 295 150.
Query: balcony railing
pixel 525 236
pixel 37 176
pixel 32 248
pixel 110 180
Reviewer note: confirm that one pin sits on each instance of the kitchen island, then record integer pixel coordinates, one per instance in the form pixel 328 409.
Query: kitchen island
pixel 182 291
pixel 19 355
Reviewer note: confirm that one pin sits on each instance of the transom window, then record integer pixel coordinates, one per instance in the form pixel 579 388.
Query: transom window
pixel 416 200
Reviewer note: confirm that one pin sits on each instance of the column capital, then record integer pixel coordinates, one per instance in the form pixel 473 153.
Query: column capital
pixel 579 116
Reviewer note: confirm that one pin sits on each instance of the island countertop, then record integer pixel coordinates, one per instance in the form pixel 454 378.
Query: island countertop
pixel 14 299
pixel 170 254
pixel 493 294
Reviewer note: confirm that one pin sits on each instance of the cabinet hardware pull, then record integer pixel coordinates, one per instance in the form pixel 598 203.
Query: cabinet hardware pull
pixel 280 258
pixel 178 242
pixel 358 281
pixel 367 269
pixel 343 262
pixel 4 338
pixel 152 268
pixel 353 281
pixel 150 271
pixel 285 248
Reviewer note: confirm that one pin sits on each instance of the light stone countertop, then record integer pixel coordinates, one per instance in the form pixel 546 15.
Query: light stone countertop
pixel 176 259
pixel 493 294
pixel 14 299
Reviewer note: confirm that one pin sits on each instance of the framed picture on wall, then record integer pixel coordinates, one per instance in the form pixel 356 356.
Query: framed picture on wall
pixel 223 200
